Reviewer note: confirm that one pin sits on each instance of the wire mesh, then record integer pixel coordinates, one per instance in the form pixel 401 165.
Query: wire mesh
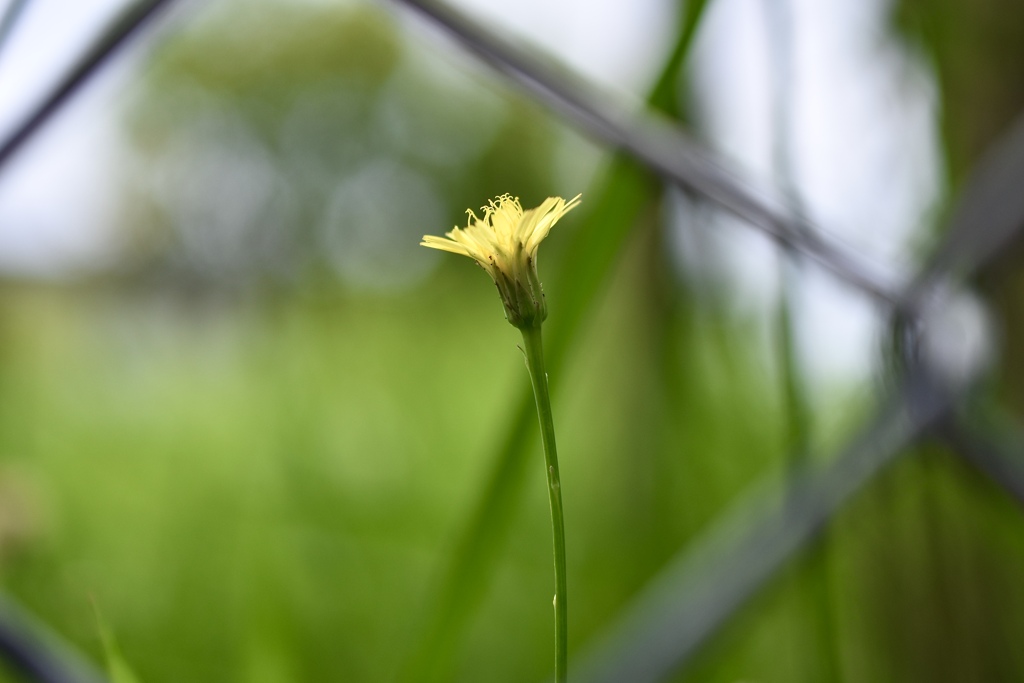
pixel 708 582
pixel 687 603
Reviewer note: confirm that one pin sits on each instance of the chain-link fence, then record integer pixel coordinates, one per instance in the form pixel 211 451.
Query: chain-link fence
pixel 712 578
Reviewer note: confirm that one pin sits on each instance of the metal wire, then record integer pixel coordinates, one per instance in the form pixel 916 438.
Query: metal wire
pixel 710 580
pixel 997 456
pixel 708 583
pixel 114 38
pixel 662 147
pixel 987 219
pixel 684 607
pixel 24 646
pixel 33 651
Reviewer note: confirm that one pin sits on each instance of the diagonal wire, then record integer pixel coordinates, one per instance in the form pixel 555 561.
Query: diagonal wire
pixel 24 644
pixel 671 154
pixel 987 219
pixel 692 600
pixel 665 150
pixel 997 456
pixel 704 586
pixel 695 597
pixel 30 648
pixel 657 638
pixel 989 216
pixel 660 146
pixel 115 37
pixel 9 19
pixel 621 198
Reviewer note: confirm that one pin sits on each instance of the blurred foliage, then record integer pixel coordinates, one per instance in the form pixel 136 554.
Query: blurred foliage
pixel 282 138
pixel 978 56
pixel 950 603
pixel 977 50
pixel 259 492
pixel 260 483
pixel 118 669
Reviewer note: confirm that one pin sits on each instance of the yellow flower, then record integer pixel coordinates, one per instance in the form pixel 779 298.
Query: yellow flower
pixel 504 243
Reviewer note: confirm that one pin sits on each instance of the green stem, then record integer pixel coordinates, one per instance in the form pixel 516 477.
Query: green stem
pixel 539 378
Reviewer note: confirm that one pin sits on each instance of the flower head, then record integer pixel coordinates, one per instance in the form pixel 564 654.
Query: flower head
pixel 504 243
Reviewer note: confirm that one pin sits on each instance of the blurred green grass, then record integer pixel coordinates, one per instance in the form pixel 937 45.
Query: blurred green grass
pixel 260 489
